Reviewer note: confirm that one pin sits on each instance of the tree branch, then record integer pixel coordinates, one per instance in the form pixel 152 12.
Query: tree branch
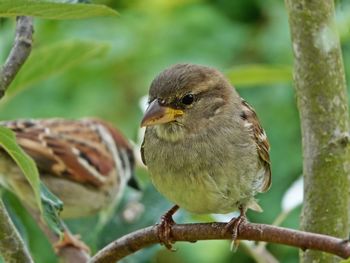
pixel 12 248
pixel 19 52
pixel 137 240
pixel 323 105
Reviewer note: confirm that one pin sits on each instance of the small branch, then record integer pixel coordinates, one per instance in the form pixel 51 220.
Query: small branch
pixel 19 52
pixel 140 239
pixel 12 248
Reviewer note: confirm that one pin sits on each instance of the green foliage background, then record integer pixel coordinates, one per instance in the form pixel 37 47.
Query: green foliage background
pixel 103 66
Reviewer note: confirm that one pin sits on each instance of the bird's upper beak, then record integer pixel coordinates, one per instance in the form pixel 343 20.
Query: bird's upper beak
pixel 157 114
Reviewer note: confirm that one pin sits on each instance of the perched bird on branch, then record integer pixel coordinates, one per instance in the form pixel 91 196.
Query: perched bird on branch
pixel 204 146
pixel 86 163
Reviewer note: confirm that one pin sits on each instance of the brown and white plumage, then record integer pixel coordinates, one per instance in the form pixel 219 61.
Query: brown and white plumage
pixel 86 163
pixel 251 120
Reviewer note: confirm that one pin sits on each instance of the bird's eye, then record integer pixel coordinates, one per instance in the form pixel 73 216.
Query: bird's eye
pixel 187 99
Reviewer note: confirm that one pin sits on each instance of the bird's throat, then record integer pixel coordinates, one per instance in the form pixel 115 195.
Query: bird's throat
pixel 172 132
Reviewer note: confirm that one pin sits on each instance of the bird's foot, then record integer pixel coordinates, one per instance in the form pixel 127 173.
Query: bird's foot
pixel 70 240
pixel 164 228
pixel 233 226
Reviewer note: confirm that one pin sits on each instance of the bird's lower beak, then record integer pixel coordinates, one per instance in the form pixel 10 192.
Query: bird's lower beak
pixel 157 114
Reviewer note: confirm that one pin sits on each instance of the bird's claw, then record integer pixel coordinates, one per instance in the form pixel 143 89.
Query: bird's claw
pixel 69 239
pixel 164 231
pixel 164 228
pixel 233 226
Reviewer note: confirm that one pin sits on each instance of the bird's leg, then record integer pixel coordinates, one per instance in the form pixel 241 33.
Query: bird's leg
pixel 164 228
pixel 70 240
pixel 233 226
pixel 67 246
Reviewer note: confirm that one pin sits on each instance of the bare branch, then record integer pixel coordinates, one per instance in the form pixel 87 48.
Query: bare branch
pixel 137 240
pixel 12 248
pixel 19 52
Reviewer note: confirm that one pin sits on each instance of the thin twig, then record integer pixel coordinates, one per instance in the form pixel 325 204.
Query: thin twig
pixel 140 239
pixel 18 54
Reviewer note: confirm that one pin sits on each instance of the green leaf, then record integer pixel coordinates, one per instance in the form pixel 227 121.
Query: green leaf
pixel 49 205
pixel 52 10
pixel 52 207
pixel 250 75
pixel 47 61
pixel 27 165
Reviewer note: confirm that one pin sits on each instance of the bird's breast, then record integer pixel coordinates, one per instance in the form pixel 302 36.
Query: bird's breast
pixel 201 175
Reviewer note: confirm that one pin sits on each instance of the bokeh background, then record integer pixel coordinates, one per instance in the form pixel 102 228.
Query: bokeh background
pixel 103 67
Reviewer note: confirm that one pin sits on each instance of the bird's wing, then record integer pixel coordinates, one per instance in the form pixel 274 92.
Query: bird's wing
pixel 77 150
pixel 262 144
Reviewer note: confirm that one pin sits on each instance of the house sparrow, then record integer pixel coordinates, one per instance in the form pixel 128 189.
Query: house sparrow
pixel 204 146
pixel 86 163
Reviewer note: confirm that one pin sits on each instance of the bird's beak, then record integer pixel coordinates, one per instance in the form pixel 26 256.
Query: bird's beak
pixel 157 114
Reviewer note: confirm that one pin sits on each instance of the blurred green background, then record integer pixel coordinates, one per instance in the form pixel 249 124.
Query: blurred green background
pixel 103 66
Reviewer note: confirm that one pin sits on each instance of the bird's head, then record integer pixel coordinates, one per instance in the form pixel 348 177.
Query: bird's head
pixel 186 98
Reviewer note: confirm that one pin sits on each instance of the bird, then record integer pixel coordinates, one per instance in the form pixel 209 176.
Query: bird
pixel 86 163
pixel 204 146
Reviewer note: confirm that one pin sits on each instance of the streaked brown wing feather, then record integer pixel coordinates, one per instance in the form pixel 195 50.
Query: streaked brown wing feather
pixel 261 140
pixel 65 148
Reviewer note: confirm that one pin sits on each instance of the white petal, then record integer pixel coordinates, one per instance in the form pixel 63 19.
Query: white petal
pixel 293 197
pixel 225 217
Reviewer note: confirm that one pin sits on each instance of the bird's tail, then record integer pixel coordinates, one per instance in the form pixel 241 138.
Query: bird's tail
pixel 253 204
